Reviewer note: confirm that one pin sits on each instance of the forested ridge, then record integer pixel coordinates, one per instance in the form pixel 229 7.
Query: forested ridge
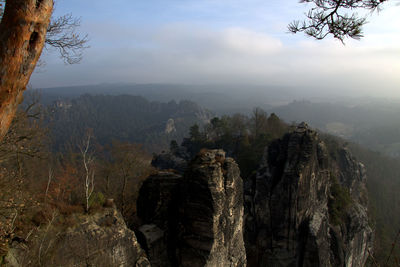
pixel 42 183
pixel 126 118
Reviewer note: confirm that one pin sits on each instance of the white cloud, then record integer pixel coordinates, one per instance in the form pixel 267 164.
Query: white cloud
pixel 187 53
pixel 250 42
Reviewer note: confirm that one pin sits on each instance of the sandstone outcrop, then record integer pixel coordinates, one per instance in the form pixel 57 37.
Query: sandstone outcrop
pixel 170 126
pixel 101 239
pixel 307 205
pixel 200 215
pixel 211 214
pixel 157 207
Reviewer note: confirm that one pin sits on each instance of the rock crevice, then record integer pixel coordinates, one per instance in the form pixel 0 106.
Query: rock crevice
pixel 202 221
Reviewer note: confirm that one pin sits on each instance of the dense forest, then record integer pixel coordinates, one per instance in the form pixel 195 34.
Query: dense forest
pixel 51 150
pixel 242 137
pixel 370 121
pixel 126 118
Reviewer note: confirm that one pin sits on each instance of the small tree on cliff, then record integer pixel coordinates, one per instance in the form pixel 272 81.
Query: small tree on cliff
pixel 89 171
pixel 131 165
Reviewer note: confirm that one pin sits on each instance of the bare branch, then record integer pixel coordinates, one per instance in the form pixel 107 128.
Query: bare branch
pixel 396 240
pixel 62 34
pixel 48 183
pixel 25 136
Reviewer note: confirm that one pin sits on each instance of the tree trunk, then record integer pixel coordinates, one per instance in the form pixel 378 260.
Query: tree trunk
pixel 123 194
pixel 22 36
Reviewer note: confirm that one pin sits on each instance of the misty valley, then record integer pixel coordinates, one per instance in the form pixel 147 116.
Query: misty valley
pixel 199 133
pixel 151 160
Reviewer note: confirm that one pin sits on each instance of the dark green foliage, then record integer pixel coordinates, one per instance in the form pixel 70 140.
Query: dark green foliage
pixel 339 201
pixel 174 147
pixel 194 133
pixel 243 138
pixel 97 199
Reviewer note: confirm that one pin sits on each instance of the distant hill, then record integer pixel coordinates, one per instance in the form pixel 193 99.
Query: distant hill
pixel 124 118
pixel 222 99
pixel 374 123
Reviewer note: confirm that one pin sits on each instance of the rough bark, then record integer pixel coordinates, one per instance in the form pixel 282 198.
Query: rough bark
pixel 22 36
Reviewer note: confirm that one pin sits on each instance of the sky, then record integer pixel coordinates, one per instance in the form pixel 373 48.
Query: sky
pixel 224 42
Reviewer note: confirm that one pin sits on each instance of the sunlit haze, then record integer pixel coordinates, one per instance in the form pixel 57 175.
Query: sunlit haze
pixel 224 42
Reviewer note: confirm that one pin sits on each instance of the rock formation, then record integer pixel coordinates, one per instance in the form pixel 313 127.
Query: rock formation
pixel 101 239
pixel 211 214
pixel 157 207
pixel 170 126
pixel 200 215
pixel 307 206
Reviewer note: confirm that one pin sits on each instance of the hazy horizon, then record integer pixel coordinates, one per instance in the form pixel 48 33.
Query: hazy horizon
pixel 225 42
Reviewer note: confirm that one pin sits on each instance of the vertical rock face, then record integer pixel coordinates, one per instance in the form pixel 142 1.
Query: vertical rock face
pixel 157 207
pixel 305 207
pixel 201 214
pixel 212 213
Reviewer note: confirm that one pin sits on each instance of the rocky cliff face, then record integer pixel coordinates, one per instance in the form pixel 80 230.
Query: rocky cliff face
pixel 197 218
pixel 101 239
pixel 157 207
pixel 212 212
pixel 307 206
